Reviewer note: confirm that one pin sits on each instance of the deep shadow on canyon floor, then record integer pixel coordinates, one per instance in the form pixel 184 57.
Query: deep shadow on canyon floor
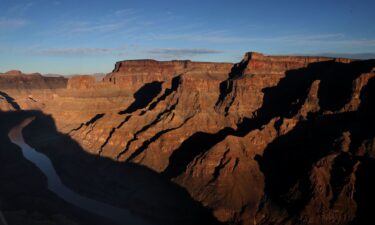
pixel 144 192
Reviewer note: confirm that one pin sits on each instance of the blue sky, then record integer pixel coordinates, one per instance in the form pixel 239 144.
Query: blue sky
pixel 66 37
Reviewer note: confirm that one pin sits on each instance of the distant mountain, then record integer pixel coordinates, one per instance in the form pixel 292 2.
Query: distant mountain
pixel 53 75
pixel 350 55
pixel 98 76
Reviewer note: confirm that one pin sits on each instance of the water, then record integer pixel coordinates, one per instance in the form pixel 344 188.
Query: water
pixel 118 215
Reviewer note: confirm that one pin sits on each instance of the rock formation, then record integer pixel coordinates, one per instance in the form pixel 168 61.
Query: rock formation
pixel 269 140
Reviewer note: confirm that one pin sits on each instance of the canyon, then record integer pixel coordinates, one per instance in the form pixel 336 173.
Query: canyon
pixel 268 140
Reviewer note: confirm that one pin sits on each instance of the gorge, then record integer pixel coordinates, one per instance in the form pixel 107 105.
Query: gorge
pixel 56 186
pixel 268 140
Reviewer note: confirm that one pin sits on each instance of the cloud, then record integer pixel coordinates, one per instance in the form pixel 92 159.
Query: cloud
pixel 330 39
pixel 78 51
pixel 119 20
pixel 178 53
pixel 124 12
pixel 12 17
pixel 209 36
pixel 95 27
pixel 167 53
pixel 224 37
pixel 12 24
pixel 20 9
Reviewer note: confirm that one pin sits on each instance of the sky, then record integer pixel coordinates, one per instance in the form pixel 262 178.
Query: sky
pixel 82 37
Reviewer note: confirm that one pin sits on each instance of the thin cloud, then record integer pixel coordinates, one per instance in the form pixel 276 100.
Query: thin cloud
pixel 79 51
pixel 166 53
pixel 92 27
pixel 124 12
pixel 12 24
pixel 199 38
pixel 12 17
pixel 20 9
pixel 221 37
pixel 120 20
pixel 333 39
pixel 108 24
pixel 356 42
pixel 216 36
pixel 178 53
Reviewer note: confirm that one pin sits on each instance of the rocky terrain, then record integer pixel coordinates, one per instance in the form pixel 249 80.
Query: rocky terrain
pixel 269 140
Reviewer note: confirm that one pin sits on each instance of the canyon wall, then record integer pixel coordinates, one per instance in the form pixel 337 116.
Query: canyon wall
pixel 269 140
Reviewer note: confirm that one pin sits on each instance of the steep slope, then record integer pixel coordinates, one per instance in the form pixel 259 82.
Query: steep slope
pixel 28 91
pixel 284 163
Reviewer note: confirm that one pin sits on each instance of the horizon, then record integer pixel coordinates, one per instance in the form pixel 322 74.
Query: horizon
pixel 361 56
pixel 66 37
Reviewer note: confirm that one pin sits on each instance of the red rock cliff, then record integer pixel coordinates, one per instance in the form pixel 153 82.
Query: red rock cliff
pixel 132 74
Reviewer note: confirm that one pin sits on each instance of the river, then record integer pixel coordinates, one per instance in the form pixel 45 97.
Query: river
pixel 118 215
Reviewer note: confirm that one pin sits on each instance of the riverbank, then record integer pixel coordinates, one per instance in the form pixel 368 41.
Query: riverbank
pixel 118 215
pixel 24 197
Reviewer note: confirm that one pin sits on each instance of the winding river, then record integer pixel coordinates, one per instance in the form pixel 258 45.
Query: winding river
pixel 118 215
